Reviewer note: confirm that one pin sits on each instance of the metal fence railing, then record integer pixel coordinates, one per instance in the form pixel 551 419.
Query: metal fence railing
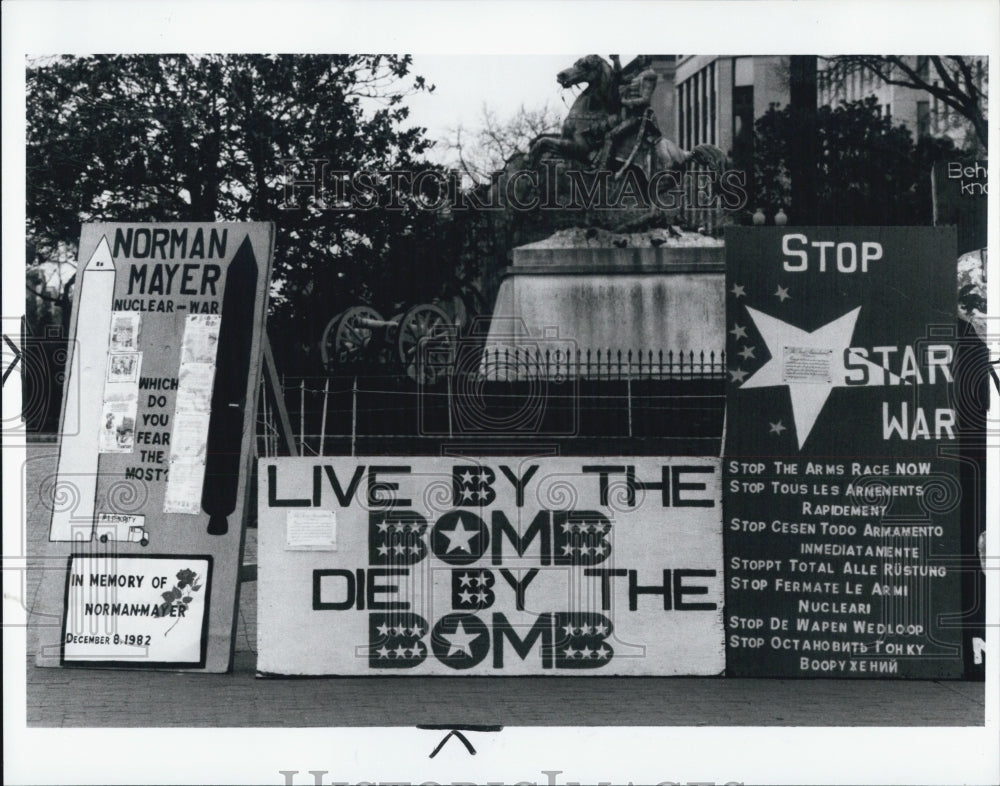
pixel 597 399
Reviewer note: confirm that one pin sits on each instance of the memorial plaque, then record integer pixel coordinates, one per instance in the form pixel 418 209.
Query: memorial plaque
pixel 841 502
pixel 503 566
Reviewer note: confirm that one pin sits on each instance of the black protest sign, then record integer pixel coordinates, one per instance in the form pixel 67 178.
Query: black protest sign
pixel 841 503
pixel 156 438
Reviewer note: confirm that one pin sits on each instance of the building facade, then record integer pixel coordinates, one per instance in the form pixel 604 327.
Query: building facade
pixel 715 99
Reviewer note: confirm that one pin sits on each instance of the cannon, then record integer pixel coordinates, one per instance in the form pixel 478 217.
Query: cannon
pixel 420 340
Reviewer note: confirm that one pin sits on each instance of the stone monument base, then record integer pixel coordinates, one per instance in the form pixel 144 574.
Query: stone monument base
pixel 591 290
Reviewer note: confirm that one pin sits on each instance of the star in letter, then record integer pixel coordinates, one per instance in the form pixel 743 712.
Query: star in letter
pixel 459 640
pixel 459 538
pixel 809 395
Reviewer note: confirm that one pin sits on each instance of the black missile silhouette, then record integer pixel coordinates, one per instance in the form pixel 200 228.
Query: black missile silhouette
pixel 232 367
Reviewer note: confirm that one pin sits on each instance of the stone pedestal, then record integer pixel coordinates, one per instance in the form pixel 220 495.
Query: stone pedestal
pixel 574 293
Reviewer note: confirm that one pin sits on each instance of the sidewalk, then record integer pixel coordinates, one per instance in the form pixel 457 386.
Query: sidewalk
pixel 104 698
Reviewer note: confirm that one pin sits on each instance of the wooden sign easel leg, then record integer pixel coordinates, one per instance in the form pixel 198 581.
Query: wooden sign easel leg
pixel 272 388
pixel 273 385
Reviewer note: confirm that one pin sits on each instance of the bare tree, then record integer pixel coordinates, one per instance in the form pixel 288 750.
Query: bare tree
pixel 478 153
pixel 959 82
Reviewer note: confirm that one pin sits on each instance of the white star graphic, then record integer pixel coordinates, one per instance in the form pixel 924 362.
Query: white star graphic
pixel 567 549
pixel 400 651
pixel 746 353
pixel 466 478
pixel 382 652
pixel 383 630
pixel 569 629
pixel 398 548
pixel 601 629
pixel 603 652
pixel 465 580
pixel 466 596
pixel 459 640
pixel 808 398
pixel 415 651
pixel 481 596
pixel 737 374
pixel 569 652
pixel 459 538
pixel 776 428
pixel 383 550
pixel 738 290
pixel 782 293
pixel 414 549
pixel 585 652
pixel 586 629
pixel 466 494
pixel 383 526
pixel 738 332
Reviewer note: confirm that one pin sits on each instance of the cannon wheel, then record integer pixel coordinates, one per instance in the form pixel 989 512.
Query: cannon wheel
pixel 345 341
pixel 426 323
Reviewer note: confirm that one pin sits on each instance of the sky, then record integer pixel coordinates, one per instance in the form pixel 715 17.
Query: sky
pixel 464 83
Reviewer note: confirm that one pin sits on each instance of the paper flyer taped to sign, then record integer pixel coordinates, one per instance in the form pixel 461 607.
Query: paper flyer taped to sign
pixel 806 364
pixel 183 494
pixel 118 426
pixel 192 413
pixel 121 386
pixel 201 339
pixel 124 367
pixel 311 530
pixel 125 331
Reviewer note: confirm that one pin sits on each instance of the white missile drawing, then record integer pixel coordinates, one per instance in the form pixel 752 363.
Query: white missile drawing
pixel 76 489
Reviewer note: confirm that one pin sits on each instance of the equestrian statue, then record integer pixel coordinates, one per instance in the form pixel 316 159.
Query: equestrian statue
pixel 612 125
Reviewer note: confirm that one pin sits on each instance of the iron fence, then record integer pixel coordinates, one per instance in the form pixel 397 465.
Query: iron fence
pixel 589 401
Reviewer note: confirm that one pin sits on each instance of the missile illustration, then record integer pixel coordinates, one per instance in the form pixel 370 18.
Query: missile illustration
pixel 84 398
pixel 232 367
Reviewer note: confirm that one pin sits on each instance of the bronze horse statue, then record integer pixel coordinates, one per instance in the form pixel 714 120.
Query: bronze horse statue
pixel 594 115
pixel 590 117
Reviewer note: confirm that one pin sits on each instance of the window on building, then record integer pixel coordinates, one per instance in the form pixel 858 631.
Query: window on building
pixel 923 118
pixel 712 122
pixel 743 127
pixel 681 115
pixel 923 66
